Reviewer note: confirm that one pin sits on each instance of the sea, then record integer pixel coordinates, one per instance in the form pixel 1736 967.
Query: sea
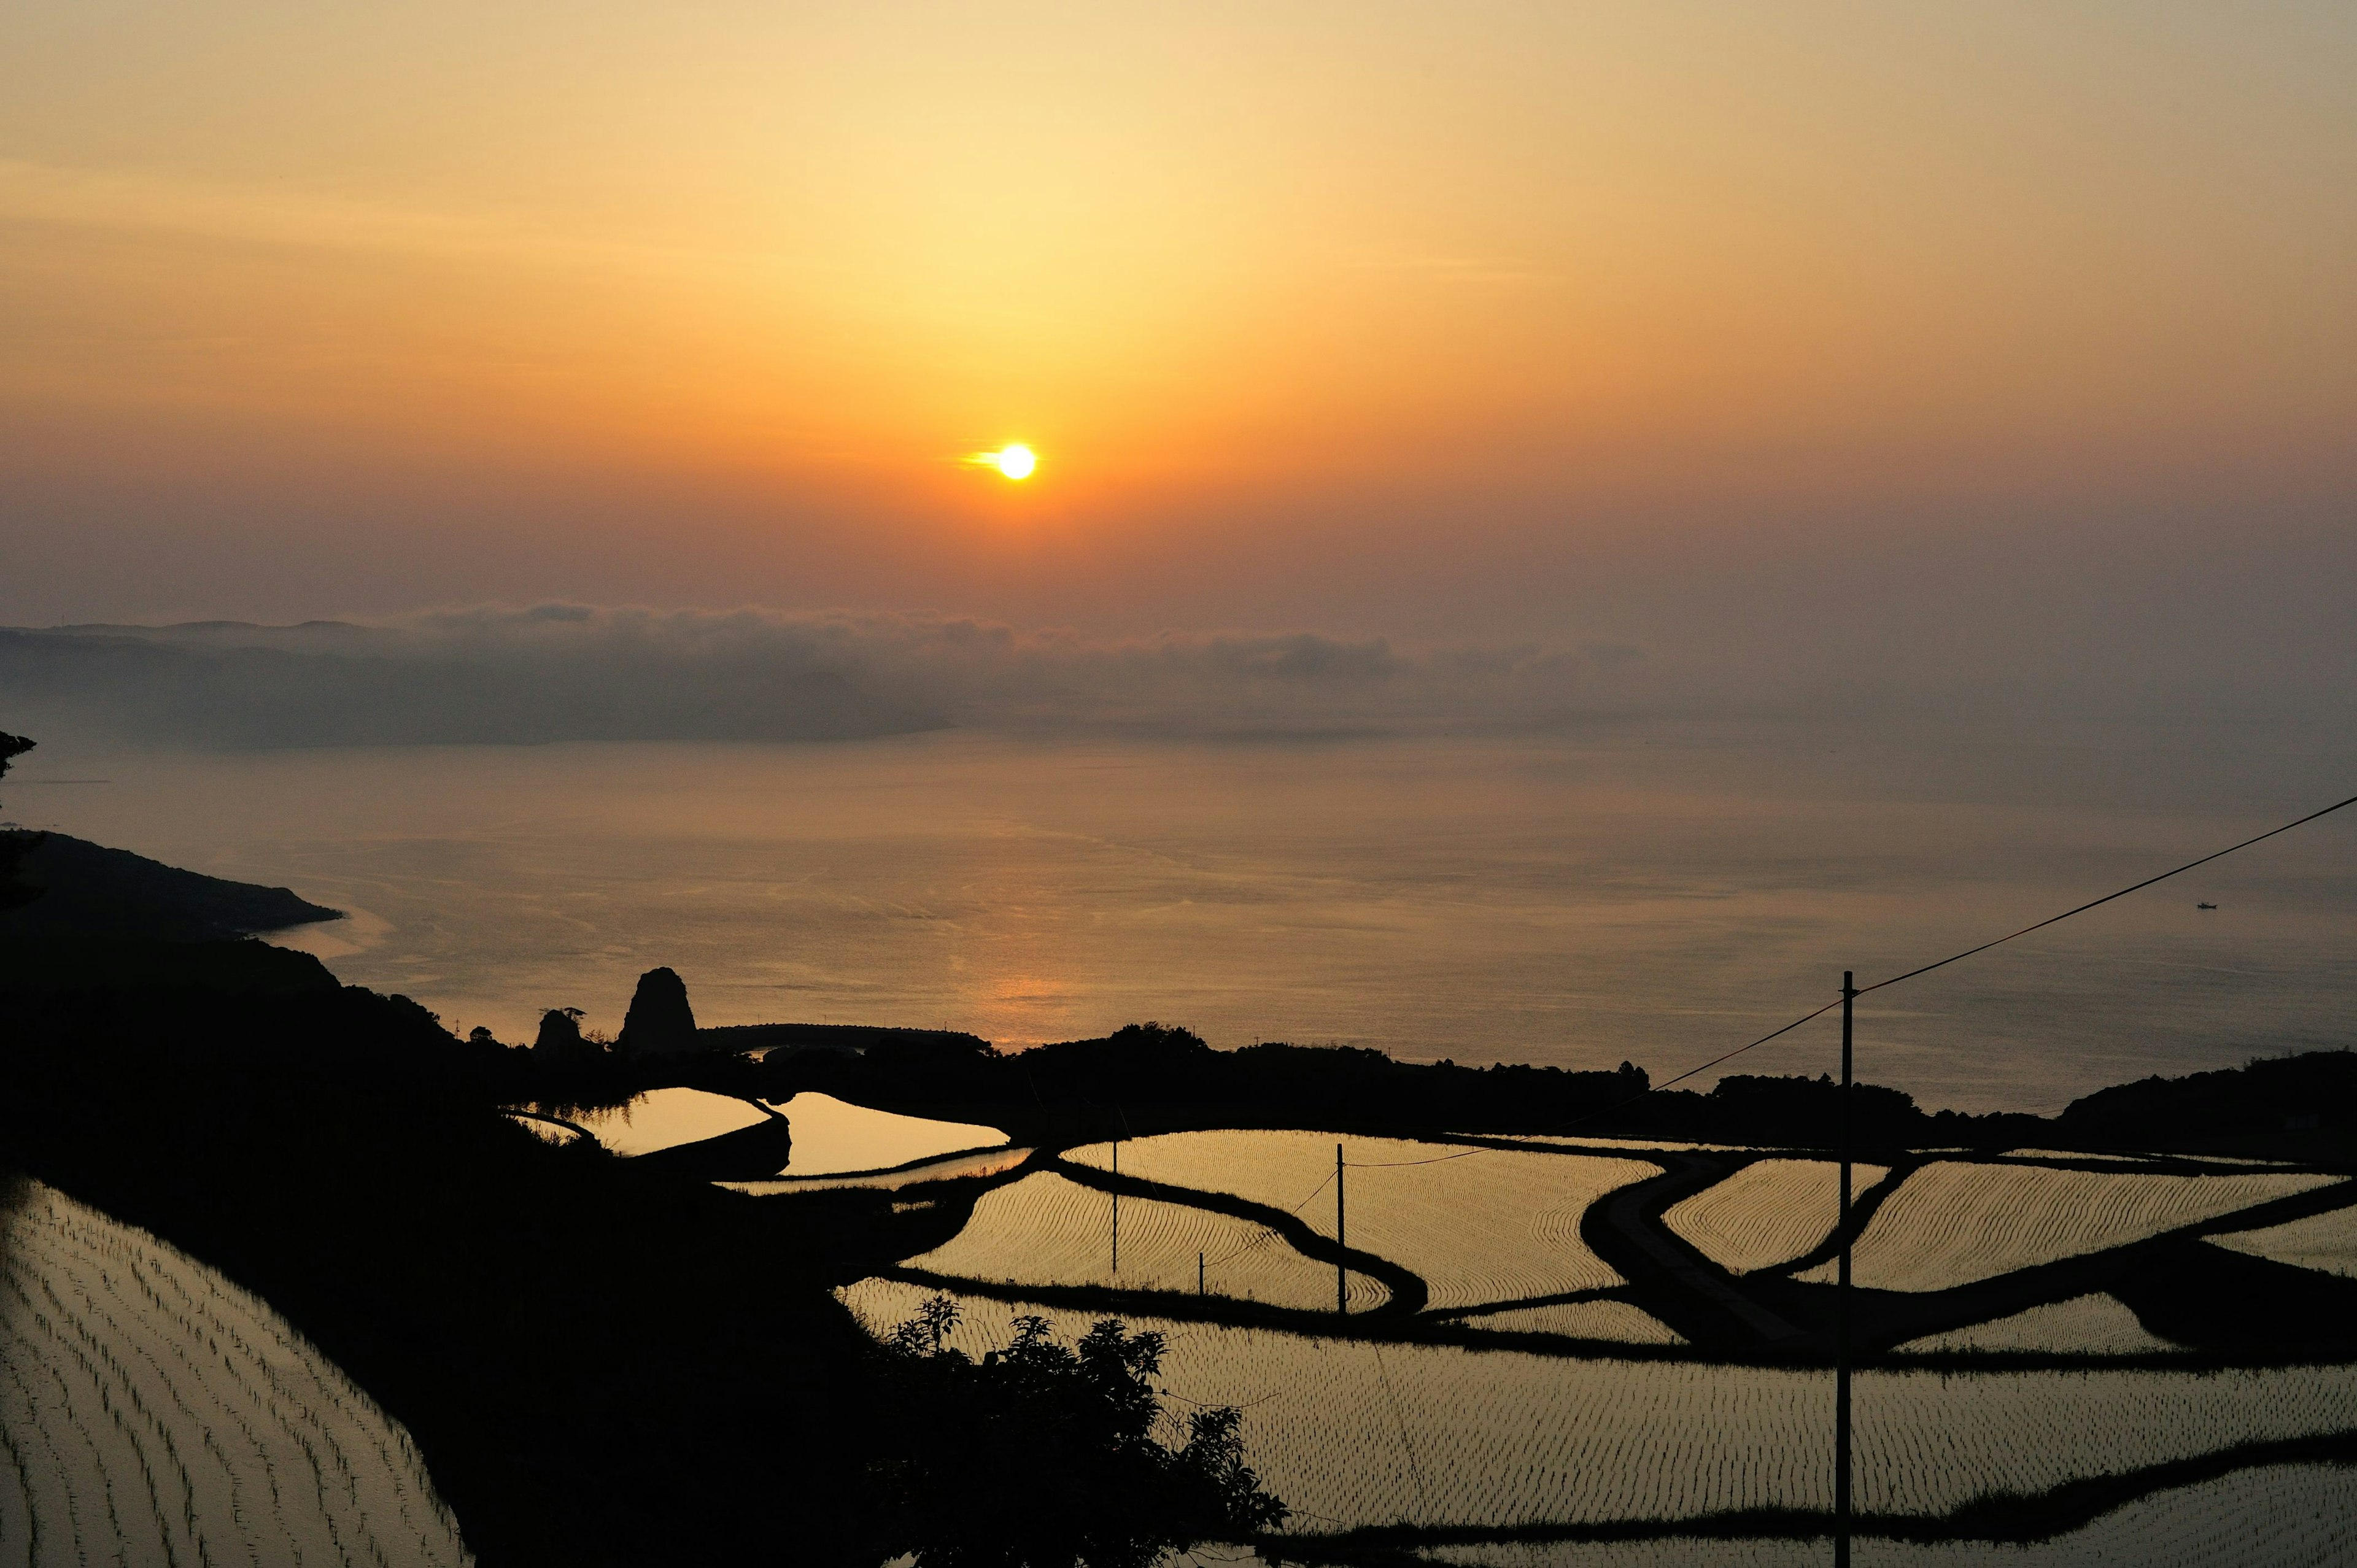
pixel 1653 890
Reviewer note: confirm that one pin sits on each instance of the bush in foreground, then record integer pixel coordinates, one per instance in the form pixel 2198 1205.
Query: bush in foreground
pixel 1043 1455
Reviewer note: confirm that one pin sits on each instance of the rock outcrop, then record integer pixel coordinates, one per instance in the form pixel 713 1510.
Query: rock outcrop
pixel 660 1022
pixel 560 1033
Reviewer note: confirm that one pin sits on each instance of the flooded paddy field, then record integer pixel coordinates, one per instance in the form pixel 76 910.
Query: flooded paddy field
pixel 152 1412
pixel 1558 1353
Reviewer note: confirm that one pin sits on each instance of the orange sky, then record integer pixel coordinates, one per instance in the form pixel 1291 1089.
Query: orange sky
pixel 307 310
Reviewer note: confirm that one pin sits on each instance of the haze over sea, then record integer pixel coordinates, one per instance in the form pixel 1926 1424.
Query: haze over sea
pixel 1657 890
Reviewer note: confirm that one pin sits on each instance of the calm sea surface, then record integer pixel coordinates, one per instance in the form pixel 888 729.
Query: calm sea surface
pixel 1653 891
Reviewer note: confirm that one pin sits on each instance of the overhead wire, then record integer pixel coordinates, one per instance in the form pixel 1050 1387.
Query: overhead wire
pixel 1879 984
pixel 2096 903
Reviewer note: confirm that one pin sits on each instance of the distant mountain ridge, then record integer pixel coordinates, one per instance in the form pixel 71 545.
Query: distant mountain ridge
pixel 89 891
pixel 232 685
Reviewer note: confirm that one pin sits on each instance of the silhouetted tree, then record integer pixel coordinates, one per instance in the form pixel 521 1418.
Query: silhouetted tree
pixel 559 1032
pixel 15 845
pixel 1044 1456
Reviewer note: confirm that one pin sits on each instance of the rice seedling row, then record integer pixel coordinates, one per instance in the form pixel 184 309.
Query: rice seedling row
pixel 1954 1222
pixel 1497 1225
pixel 1579 1320
pixel 1767 1212
pixel 2094 1324
pixel 152 1412
pixel 2285 1516
pixel 1047 1231
pixel 1358 1432
pixel 2326 1242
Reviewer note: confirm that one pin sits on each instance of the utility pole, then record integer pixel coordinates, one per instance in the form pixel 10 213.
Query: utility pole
pixel 1342 1265
pixel 1116 1205
pixel 1199 1274
pixel 1841 1304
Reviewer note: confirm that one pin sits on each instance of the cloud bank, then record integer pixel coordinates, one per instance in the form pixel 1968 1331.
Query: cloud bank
pixel 568 672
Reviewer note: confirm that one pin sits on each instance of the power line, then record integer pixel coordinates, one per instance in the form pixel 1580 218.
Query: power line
pixel 1894 980
pixel 2107 898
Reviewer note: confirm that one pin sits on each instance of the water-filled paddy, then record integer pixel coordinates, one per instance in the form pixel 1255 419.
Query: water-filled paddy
pixel 665 1118
pixel 1478 1225
pixel 1952 1223
pixel 1540 1388
pixel 2326 1241
pixel 1767 1213
pixel 832 1136
pixel 154 1412
pixel 1357 1433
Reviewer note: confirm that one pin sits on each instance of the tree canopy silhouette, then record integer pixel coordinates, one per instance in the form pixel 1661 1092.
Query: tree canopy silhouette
pixel 1048 1456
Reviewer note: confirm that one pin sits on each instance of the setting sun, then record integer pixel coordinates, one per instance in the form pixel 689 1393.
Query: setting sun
pixel 1016 461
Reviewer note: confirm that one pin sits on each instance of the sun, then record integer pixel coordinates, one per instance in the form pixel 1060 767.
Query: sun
pixel 1016 461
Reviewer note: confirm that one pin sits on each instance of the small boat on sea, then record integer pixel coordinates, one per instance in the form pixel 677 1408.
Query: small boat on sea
pixel 2205 905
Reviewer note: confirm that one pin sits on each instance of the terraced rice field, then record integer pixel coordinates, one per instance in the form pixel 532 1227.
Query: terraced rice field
pixel 1610 1146
pixel 1351 1432
pixel 665 1118
pixel 832 1136
pixel 2283 1516
pixel 990 1162
pixel 2326 1242
pixel 1496 1226
pixel 1581 1320
pixel 2094 1324
pixel 1769 1212
pixel 1047 1231
pixel 1954 1222
pixel 153 1412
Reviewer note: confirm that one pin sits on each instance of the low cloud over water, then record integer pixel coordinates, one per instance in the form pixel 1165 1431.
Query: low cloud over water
pixel 563 671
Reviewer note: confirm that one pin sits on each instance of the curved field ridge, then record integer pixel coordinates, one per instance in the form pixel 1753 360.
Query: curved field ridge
pixel 1769 1212
pixel 1952 1223
pixel 1045 1231
pixel 1497 1225
pixel 1358 1432
pixel 666 1118
pixel 2095 1324
pixel 153 1412
pixel 2285 1516
pixel 2326 1242
pixel 1581 1320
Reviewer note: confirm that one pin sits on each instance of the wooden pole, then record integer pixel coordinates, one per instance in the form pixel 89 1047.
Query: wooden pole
pixel 1116 1207
pixel 1341 1268
pixel 1841 1303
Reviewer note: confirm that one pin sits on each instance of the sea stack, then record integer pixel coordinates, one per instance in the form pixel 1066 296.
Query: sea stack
pixel 660 1022
pixel 559 1032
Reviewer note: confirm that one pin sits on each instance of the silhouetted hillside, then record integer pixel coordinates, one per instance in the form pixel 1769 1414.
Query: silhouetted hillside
pixel 2299 1101
pixel 48 964
pixel 1147 1077
pixel 88 890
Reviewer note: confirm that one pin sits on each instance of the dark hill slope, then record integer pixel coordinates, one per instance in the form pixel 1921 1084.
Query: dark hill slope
pixel 89 890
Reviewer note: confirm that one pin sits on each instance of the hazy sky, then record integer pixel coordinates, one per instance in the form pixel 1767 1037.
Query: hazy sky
pixel 2009 335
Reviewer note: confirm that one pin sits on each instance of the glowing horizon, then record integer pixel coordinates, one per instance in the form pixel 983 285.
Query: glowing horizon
pixel 1552 308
